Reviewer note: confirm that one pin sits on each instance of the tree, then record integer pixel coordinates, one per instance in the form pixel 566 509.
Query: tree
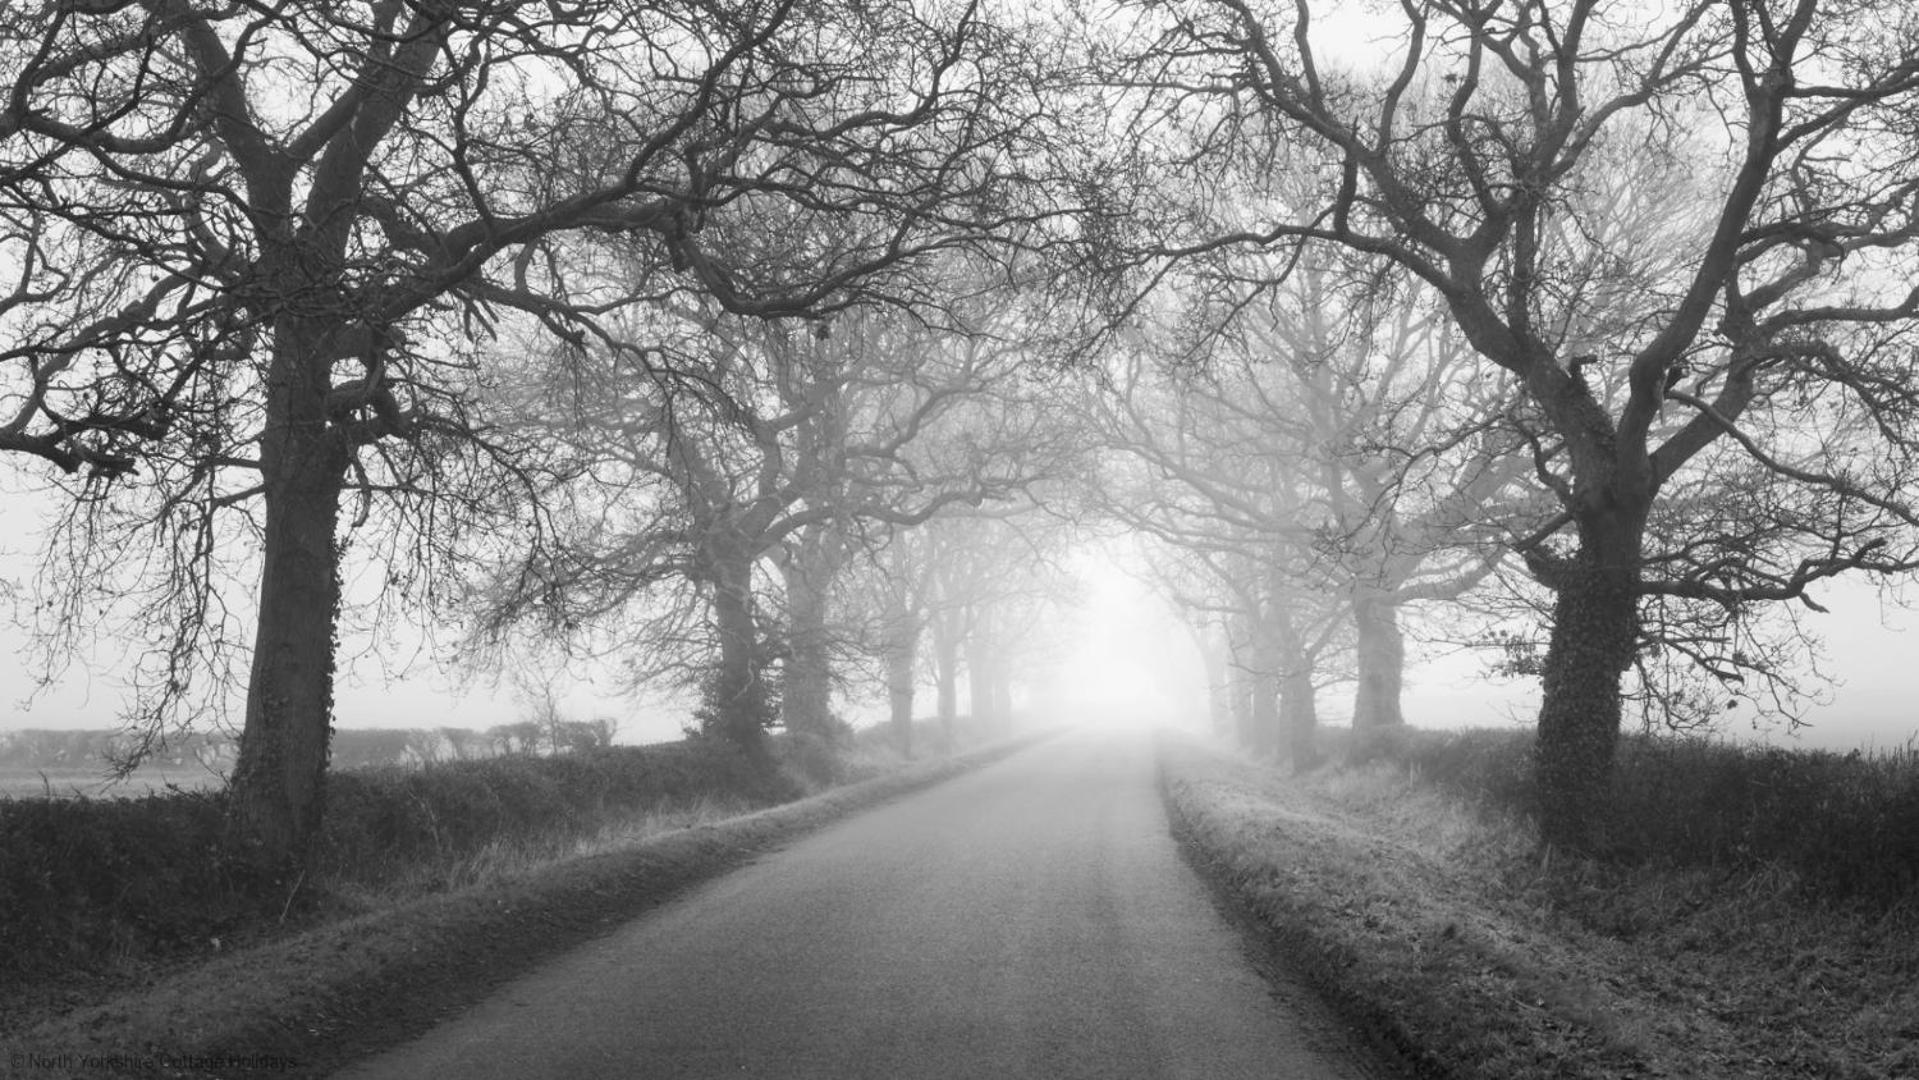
pixel 996 576
pixel 935 421
pixel 251 246
pixel 895 583
pixel 1344 375
pixel 1200 472
pixel 1482 155
pixel 770 442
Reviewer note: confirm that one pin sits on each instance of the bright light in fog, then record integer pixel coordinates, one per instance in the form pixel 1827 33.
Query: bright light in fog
pixel 1127 661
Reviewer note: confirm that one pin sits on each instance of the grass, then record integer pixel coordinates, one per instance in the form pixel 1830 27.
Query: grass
pixel 312 1001
pixel 315 1000
pixel 97 893
pixel 511 858
pixel 1423 906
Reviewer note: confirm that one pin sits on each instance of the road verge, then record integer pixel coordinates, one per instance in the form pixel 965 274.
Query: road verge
pixel 1439 927
pixel 309 1004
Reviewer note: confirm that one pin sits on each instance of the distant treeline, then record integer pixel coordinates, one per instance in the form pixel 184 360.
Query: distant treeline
pixel 353 748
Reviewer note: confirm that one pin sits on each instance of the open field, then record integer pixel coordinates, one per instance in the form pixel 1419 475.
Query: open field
pixel 94 782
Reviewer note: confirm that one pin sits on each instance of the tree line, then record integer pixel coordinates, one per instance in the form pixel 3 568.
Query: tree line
pixel 350 748
pixel 758 347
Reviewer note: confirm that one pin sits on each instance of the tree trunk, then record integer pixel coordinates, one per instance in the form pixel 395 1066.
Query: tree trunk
pixel 902 648
pixel 1299 720
pixel 1594 637
pixel 738 698
pixel 1240 684
pixel 1265 719
pixel 806 691
pixel 279 780
pixel 1381 655
pixel 1219 699
pixel 946 678
pixel 1002 689
pixel 1298 698
pixel 979 678
pixel 1268 662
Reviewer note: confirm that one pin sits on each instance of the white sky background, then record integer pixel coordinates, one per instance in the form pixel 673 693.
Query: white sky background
pixel 92 695
pixel 1135 663
pixel 1130 662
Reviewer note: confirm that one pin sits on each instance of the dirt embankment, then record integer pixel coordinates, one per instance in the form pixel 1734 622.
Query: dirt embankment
pixel 307 1005
pixel 1443 931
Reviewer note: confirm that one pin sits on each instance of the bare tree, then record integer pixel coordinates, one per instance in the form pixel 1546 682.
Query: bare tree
pixel 894 585
pixel 766 447
pixel 1225 498
pixel 1778 343
pixel 1345 374
pixel 250 247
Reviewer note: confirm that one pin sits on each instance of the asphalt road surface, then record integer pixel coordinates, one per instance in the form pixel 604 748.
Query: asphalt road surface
pixel 1030 920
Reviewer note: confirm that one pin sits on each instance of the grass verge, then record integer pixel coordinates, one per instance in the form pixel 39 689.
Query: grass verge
pixel 311 1002
pixel 1432 920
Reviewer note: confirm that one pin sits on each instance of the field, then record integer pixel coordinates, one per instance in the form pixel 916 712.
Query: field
pixel 16 783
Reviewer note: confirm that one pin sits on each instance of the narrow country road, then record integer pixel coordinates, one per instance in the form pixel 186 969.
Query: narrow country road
pixel 1030 920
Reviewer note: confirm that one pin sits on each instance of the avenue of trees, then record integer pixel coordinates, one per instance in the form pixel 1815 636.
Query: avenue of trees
pixel 1685 232
pixel 733 490
pixel 259 255
pixel 778 351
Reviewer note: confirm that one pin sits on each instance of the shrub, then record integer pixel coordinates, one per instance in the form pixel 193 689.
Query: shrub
pixel 813 760
pixel 84 882
pixel 1482 764
pixel 1847 825
pixel 379 820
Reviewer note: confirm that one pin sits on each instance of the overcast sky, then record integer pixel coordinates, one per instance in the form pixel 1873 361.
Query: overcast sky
pixel 1130 662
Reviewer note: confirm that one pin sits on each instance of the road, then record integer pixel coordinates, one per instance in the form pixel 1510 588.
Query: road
pixel 1029 920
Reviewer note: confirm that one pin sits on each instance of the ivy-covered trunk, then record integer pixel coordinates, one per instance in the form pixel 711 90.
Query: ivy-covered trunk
pixel 1380 654
pixel 279 779
pixel 1594 636
pixel 738 702
pixel 1299 719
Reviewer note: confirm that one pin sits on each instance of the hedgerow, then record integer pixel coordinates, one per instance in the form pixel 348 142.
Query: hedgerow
pixel 92 882
pixel 1846 824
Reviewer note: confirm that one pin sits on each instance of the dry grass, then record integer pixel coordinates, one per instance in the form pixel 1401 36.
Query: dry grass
pixel 349 986
pixel 1439 924
pixel 511 859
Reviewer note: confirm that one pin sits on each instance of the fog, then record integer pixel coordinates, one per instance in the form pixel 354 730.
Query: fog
pixel 1132 663
pixel 1120 658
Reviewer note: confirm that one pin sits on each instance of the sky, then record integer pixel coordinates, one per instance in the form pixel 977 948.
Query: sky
pixel 1127 661
pixel 1134 659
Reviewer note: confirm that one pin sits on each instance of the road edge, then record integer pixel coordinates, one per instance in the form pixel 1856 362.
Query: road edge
pixel 311 1004
pixel 1293 960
